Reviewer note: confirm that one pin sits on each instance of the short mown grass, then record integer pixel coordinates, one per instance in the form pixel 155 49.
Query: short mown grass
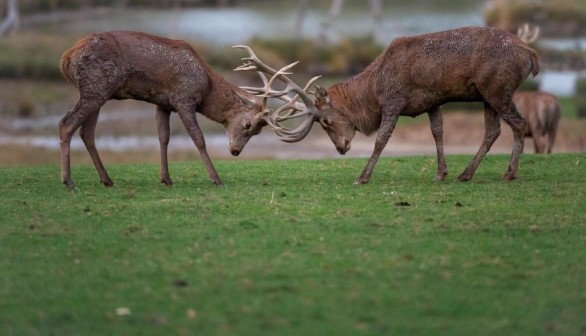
pixel 294 248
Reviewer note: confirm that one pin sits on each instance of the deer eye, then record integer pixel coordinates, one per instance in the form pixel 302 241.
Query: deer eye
pixel 247 125
pixel 326 121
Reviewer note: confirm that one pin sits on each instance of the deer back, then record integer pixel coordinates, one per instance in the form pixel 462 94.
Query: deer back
pixel 133 65
pixel 436 68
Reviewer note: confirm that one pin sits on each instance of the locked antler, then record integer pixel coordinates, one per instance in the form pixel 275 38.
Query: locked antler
pixel 292 108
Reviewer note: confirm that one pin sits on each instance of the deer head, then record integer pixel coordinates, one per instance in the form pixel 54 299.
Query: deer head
pixel 247 122
pixel 339 128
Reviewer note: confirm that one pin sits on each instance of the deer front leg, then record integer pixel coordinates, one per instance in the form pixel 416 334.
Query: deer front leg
pixel 388 123
pixel 188 118
pixel 164 133
pixel 437 130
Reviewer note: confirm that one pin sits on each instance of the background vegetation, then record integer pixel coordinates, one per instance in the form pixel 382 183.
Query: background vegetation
pixel 581 98
pixel 294 248
pixel 36 6
pixel 557 18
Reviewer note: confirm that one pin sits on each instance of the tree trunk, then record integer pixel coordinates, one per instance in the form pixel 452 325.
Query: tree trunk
pixel 376 9
pixel 303 4
pixel 326 24
pixel 12 20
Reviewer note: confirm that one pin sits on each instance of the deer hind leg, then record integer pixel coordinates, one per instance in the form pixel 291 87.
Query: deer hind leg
pixel 492 130
pixel 437 130
pixel 550 140
pixel 67 127
pixel 540 143
pixel 552 132
pixel 87 134
pixel 517 123
pixel 535 127
pixel 164 133
pixel 187 115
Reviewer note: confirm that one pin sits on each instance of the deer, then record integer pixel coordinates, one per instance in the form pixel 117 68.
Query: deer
pixel 412 76
pixel 541 109
pixel 542 112
pixel 164 72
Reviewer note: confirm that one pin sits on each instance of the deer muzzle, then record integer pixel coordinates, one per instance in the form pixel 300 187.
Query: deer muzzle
pixel 343 149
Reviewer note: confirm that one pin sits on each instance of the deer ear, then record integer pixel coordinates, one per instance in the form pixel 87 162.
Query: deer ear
pixel 321 95
pixel 245 100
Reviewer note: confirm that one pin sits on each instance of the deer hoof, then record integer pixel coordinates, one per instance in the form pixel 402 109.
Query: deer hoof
pixel 70 185
pixel 440 177
pixel 219 183
pixel 167 181
pixel 361 181
pixel 464 178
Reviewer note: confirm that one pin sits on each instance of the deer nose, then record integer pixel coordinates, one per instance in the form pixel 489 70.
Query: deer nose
pixel 343 149
pixel 235 152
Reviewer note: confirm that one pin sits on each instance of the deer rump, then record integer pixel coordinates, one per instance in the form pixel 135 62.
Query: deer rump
pixel 542 112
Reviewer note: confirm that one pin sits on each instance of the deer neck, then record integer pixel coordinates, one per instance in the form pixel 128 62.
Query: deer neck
pixel 220 102
pixel 356 99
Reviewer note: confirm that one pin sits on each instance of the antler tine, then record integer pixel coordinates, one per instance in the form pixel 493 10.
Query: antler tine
pixel 254 62
pixel 526 34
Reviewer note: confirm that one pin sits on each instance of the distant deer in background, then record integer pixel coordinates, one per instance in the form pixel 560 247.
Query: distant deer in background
pixel 416 75
pixel 164 72
pixel 542 113
pixel 541 109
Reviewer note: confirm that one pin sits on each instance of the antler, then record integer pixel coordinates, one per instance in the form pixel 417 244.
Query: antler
pixel 292 108
pixel 528 35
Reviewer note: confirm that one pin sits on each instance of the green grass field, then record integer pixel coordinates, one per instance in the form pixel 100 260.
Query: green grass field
pixel 294 248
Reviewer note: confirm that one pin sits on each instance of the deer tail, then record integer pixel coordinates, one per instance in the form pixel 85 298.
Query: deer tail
pixel 534 62
pixel 64 64
pixel 72 55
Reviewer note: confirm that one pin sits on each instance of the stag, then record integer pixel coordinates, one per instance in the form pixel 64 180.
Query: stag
pixel 542 113
pixel 540 109
pixel 167 73
pixel 416 75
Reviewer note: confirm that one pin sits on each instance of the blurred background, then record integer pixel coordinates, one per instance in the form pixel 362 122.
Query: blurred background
pixel 333 38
